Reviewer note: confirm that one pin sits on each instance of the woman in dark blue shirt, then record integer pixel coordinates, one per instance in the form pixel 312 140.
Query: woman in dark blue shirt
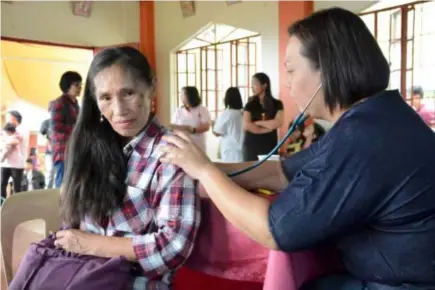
pixel 361 185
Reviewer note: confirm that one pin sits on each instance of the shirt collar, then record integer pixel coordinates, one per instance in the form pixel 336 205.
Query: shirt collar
pixel 67 99
pixel 143 142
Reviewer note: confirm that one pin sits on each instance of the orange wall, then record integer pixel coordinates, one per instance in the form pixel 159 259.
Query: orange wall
pixel 147 36
pixel 289 12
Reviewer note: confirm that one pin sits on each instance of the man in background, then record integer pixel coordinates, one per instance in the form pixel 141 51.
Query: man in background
pixel 14 161
pixel 63 116
pixel 33 179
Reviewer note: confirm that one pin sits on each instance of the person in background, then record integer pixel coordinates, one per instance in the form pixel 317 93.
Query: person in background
pixel 425 113
pixel 262 116
pixel 9 140
pixel 13 163
pixel 63 115
pixel 33 179
pixel 48 158
pixel 192 117
pixel 33 155
pixel 311 134
pixel 229 127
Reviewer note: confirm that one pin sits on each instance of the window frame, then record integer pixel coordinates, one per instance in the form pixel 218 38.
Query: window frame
pixel 202 70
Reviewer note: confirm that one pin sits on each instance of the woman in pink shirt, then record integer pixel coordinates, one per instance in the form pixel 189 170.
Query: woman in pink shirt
pixel 192 117
pixel 12 163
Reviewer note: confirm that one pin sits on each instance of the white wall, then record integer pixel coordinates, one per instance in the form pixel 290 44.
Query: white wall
pixel 111 22
pixel 354 6
pixel 171 29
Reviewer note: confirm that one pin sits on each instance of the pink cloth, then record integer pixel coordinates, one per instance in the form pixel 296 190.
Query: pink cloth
pixel 289 271
pixel 222 251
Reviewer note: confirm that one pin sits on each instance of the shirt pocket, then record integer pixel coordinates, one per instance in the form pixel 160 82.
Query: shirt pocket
pixel 136 215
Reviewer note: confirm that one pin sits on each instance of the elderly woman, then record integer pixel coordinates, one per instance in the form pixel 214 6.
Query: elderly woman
pixel 360 186
pixel 118 199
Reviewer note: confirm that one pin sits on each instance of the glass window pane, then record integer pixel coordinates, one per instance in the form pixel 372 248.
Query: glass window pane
pixel 242 76
pixel 369 20
pixel 410 24
pixel 219 80
pixel 191 63
pixel 211 105
pixel 252 53
pixel 211 80
pixel 221 104
pixel 383 26
pixel 220 58
pixel 396 56
pixel 208 35
pixel 245 94
pixel 191 80
pixel 242 57
pixel 233 53
pixel 409 83
pixel 203 53
pixel 428 49
pixel 395 80
pixel 424 63
pixel 181 81
pixel 223 31
pixel 396 22
pixel 211 58
pixel 409 54
pixel 194 43
pixel 233 75
pixel 385 47
pixel 239 33
pixel 181 62
pixel 428 19
pixel 203 80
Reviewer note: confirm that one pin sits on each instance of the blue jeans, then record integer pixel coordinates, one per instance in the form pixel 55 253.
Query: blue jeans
pixel 59 170
pixel 49 170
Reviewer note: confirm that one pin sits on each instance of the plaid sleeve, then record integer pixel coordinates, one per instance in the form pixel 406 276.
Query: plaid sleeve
pixel 176 214
pixel 57 120
pixel 59 129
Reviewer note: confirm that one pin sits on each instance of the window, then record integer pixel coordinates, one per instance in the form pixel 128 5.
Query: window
pixel 217 58
pixel 406 35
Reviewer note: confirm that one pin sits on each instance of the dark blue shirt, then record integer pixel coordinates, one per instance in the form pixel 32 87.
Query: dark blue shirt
pixel 368 185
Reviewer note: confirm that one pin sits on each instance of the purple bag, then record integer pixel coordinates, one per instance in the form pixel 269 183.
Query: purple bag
pixel 49 268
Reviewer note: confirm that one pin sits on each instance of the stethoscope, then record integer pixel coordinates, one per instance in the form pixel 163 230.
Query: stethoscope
pixel 300 119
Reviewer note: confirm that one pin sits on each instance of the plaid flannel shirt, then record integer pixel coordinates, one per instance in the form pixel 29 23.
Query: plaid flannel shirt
pixel 64 112
pixel 160 212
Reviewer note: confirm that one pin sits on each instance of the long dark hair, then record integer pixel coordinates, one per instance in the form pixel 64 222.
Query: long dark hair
pixel 269 104
pixel 94 184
